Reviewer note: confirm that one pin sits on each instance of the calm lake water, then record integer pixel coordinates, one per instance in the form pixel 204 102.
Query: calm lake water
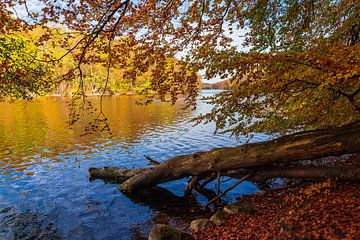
pixel 45 191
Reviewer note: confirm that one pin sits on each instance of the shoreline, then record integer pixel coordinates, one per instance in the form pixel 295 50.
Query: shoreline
pixel 117 94
pixel 327 210
pixel 318 210
pixel 94 94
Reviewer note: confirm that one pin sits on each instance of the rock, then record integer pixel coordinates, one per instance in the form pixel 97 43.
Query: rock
pixel 200 224
pixel 27 225
pixel 165 232
pixel 219 217
pixel 260 193
pixel 239 207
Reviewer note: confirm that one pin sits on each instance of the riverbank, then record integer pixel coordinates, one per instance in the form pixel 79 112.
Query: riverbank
pixel 325 210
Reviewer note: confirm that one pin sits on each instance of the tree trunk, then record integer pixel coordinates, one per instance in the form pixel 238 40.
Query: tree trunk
pixel 120 175
pixel 292 148
pixel 114 174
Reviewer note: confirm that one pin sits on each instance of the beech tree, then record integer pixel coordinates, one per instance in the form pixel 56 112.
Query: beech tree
pixel 293 64
pixel 300 69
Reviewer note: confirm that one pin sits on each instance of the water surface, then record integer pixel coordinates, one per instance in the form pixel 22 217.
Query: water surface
pixel 45 192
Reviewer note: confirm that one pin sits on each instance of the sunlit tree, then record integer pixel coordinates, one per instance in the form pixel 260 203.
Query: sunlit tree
pixel 293 64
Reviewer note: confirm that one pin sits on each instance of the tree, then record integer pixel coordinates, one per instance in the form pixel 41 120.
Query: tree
pixel 302 57
pixel 298 68
pixel 21 77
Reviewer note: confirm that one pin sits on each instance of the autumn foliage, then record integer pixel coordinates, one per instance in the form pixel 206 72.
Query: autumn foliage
pixel 293 64
pixel 320 211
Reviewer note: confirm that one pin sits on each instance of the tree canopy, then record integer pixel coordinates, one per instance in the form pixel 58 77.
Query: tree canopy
pixel 293 64
pixel 18 70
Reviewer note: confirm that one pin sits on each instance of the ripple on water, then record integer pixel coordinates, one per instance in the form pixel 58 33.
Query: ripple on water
pixel 43 167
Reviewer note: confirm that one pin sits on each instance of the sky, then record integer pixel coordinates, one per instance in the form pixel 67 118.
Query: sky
pixel 237 34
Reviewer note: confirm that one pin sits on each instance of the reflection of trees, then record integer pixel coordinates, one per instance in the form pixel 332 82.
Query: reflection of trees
pixel 22 124
pixel 26 126
pixel 131 120
pixel 35 123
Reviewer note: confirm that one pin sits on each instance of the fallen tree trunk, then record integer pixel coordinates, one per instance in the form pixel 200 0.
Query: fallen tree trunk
pixel 296 147
pixel 120 175
pixel 115 174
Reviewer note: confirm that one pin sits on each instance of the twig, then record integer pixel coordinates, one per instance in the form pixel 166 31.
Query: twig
pixel 209 194
pixel 208 180
pixel 218 183
pixel 227 190
pixel 224 181
pixel 152 161
pixel 192 183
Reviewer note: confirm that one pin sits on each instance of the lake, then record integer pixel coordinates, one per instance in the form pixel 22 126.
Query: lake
pixel 45 191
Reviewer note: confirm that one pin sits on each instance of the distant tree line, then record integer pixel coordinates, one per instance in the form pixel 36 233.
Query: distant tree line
pixel 33 66
pixel 226 85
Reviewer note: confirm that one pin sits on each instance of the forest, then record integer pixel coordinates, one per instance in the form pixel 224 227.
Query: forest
pixel 21 47
pixel 289 70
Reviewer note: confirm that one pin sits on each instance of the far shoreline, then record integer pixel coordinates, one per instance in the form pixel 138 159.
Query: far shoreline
pixel 117 94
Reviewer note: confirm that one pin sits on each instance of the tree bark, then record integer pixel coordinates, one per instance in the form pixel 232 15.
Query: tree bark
pixel 120 175
pixel 114 174
pixel 292 148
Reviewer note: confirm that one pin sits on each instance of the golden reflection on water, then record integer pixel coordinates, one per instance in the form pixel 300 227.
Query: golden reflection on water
pixel 40 126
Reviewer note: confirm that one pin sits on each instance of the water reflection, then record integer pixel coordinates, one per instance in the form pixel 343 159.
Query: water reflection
pixel 41 125
pixel 43 164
